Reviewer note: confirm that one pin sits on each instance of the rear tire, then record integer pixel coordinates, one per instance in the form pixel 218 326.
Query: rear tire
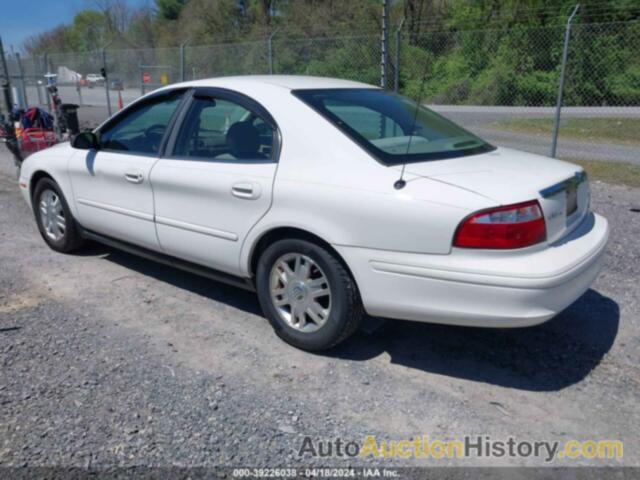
pixel 55 222
pixel 307 295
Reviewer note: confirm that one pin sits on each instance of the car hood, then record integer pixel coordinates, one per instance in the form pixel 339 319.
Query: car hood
pixel 504 175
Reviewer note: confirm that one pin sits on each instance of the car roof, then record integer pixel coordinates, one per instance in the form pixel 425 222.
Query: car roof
pixel 290 82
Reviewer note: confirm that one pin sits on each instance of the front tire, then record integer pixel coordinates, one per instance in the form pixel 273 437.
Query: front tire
pixel 307 295
pixel 55 222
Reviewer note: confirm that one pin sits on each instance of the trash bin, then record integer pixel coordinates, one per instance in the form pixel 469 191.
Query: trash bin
pixel 70 115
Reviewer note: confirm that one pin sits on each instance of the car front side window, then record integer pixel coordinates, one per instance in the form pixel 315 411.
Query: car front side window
pixel 141 130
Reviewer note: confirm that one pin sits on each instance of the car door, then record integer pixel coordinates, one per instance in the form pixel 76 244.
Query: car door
pixel 111 185
pixel 215 180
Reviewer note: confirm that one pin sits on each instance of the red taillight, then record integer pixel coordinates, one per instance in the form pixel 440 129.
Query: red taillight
pixel 511 226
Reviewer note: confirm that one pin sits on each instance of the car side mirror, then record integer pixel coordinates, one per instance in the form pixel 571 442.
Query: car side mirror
pixel 85 141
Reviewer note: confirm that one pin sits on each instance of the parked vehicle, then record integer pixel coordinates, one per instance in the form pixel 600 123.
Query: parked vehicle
pixel 94 80
pixel 331 198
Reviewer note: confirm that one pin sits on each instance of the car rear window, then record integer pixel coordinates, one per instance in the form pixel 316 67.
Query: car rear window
pixel 393 128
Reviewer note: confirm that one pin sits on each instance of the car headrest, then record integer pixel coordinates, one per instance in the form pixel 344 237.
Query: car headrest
pixel 244 140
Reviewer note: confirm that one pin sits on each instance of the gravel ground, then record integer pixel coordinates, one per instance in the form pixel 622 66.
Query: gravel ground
pixel 111 360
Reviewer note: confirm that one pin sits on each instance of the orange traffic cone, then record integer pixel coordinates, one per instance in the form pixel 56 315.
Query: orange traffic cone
pixel 120 106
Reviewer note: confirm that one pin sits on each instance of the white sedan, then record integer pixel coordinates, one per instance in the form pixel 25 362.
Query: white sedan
pixel 94 79
pixel 330 198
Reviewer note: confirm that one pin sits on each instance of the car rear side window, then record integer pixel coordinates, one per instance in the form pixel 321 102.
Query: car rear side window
pixel 141 130
pixel 219 129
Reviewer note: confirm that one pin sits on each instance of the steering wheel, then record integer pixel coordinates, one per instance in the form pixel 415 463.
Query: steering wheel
pixel 155 130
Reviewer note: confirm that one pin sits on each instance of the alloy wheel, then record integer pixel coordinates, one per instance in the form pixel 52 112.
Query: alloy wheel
pixel 300 292
pixel 52 215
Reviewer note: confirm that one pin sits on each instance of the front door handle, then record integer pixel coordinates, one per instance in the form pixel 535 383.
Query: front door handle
pixel 134 176
pixel 246 190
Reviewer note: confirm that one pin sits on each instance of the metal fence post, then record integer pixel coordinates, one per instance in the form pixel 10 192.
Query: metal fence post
pixel 79 90
pixel 106 78
pixel 141 77
pixel 270 50
pixel 22 82
pixel 396 71
pixel 384 45
pixel 37 66
pixel 6 81
pixel 47 70
pixel 183 60
pixel 565 54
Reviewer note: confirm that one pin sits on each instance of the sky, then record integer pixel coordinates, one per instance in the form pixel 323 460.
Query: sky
pixel 19 19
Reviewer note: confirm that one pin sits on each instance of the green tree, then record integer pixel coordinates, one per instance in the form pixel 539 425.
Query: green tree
pixel 170 9
pixel 88 31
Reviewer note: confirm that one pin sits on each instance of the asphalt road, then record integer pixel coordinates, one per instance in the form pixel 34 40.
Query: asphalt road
pixel 108 359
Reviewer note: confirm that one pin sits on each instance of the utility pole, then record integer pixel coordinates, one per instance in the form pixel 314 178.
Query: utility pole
pixel 384 44
pixel 6 82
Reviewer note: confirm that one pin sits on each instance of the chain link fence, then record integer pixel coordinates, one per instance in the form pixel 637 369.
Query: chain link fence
pixel 601 108
pixel 502 84
pixel 247 58
pixel 352 58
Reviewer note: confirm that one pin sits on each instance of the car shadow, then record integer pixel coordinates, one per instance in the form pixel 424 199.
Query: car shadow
pixel 547 357
pixel 220 292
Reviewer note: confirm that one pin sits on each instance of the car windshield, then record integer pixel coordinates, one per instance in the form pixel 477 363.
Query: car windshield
pixel 393 128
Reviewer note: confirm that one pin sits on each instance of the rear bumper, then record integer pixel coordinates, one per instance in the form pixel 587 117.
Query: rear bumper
pixel 480 287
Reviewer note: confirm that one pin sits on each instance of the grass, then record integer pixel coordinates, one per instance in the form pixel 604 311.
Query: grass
pixel 605 130
pixel 620 173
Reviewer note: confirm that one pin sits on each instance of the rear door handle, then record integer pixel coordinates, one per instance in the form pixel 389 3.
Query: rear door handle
pixel 246 190
pixel 134 176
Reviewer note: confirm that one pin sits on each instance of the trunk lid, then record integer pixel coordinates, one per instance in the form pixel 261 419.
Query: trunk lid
pixel 508 176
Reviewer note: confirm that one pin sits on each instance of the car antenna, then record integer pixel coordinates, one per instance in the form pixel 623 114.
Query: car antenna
pixel 401 182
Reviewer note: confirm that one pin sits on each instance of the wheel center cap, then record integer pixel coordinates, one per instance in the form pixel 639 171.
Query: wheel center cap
pixel 299 292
